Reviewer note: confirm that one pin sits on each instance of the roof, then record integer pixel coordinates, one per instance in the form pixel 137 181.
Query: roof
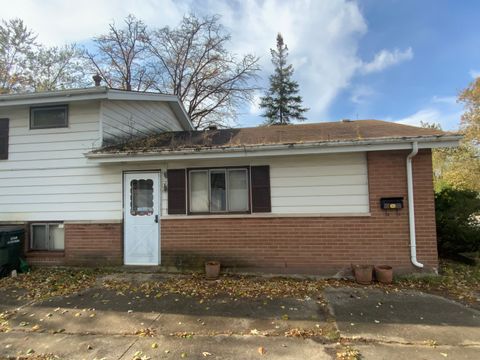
pixel 331 133
pixel 95 93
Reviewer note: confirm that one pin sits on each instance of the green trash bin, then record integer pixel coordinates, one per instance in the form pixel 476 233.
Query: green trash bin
pixel 11 244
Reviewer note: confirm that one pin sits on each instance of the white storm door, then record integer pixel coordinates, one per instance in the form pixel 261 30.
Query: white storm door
pixel 141 218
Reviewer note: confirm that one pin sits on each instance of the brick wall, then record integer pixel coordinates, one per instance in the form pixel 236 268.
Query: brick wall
pixel 317 245
pixel 85 244
pixel 96 244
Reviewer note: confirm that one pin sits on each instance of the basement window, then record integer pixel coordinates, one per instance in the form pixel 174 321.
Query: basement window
pixel 47 236
pixel 47 117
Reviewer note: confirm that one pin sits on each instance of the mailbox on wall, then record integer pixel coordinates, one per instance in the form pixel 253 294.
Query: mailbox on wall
pixel 393 203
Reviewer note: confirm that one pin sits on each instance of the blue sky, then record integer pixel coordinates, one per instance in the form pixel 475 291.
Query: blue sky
pixel 397 60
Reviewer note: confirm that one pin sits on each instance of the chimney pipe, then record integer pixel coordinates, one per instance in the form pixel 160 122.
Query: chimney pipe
pixel 97 79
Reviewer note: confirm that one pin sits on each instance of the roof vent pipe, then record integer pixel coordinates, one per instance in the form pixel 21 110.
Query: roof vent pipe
pixel 97 79
pixel 411 207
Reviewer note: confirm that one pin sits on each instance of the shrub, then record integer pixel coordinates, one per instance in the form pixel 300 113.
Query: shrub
pixel 458 221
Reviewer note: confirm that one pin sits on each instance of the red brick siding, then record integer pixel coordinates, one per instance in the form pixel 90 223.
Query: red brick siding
pixel 85 244
pixel 95 244
pixel 312 244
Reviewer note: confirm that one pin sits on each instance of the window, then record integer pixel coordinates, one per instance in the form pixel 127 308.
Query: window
pixel 47 237
pixel 141 198
pixel 218 190
pixel 46 117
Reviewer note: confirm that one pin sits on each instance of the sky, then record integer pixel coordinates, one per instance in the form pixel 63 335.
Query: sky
pixel 396 60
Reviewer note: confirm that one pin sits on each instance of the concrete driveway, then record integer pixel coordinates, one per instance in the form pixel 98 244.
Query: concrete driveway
pixel 104 323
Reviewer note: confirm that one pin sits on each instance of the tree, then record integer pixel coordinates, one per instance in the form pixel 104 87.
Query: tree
pixel 26 65
pixel 120 57
pixel 459 167
pixel 470 124
pixel 282 104
pixel 192 62
pixel 57 68
pixel 17 47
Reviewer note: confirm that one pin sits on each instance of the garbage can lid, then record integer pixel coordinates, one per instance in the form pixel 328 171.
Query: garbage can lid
pixel 10 228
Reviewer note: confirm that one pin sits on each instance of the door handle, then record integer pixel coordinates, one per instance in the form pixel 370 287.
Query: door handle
pixel 156 219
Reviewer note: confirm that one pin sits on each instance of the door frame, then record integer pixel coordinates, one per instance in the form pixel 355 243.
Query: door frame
pixel 125 172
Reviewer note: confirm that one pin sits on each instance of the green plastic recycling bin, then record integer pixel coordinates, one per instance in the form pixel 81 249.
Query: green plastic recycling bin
pixel 11 243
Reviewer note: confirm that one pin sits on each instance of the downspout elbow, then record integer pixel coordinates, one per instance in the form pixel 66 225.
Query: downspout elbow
pixel 411 207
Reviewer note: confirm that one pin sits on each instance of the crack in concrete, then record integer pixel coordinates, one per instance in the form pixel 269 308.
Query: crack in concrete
pixel 136 340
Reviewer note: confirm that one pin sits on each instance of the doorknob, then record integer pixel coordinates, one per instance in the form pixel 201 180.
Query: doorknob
pixel 156 218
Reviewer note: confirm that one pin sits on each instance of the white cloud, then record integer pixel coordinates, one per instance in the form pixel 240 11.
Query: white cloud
pixel 385 59
pixel 59 21
pixel 323 36
pixel 428 115
pixel 439 110
pixel 475 73
pixel 255 105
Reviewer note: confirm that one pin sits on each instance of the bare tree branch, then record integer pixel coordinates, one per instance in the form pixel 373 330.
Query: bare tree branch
pixel 192 62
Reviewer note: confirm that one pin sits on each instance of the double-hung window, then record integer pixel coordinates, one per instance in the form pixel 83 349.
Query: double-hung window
pixel 219 190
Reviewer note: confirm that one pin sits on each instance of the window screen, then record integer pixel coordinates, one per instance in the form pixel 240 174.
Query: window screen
pixel 199 191
pixel 237 190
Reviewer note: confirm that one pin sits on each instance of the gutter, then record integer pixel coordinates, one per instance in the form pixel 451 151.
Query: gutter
pixel 279 149
pixel 411 207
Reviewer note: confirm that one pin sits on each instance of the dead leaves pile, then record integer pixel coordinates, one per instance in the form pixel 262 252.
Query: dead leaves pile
pixel 459 281
pixel 43 283
pixel 348 353
pixel 230 286
pixel 4 324
pixel 147 332
pixel 303 333
pixel 34 357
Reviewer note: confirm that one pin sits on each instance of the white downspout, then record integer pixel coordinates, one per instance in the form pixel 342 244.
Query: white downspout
pixel 411 207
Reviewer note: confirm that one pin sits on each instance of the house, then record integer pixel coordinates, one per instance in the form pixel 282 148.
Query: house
pixel 101 176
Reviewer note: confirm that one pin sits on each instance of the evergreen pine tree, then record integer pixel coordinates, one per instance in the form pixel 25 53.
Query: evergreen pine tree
pixel 281 103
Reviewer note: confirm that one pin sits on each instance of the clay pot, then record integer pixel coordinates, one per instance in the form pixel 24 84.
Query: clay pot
pixel 212 269
pixel 384 274
pixel 363 274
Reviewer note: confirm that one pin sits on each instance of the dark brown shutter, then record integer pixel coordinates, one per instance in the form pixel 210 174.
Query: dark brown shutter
pixel 261 189
pixel 176 191
pixel 4 139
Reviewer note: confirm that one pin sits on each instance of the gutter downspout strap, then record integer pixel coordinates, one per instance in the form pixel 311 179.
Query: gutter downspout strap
pixel 411 207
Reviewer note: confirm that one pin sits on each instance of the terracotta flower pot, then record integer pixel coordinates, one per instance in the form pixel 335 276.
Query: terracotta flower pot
pixel 384 274
pixel 212 269
pixel 363 274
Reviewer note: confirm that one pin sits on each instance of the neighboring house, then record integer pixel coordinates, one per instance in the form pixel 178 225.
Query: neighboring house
pixel 101 176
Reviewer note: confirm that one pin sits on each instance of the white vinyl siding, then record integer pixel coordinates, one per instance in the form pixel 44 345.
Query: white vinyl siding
pixel 310 184
pixel 123 120
pixel 48 178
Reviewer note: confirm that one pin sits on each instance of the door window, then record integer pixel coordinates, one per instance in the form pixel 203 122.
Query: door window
pixel 141 197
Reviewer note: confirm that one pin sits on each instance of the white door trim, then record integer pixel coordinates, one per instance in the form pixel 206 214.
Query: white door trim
pixel 155 175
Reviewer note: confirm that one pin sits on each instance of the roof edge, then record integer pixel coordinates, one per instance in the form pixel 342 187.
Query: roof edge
pixel 284 149
pixel 96 93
